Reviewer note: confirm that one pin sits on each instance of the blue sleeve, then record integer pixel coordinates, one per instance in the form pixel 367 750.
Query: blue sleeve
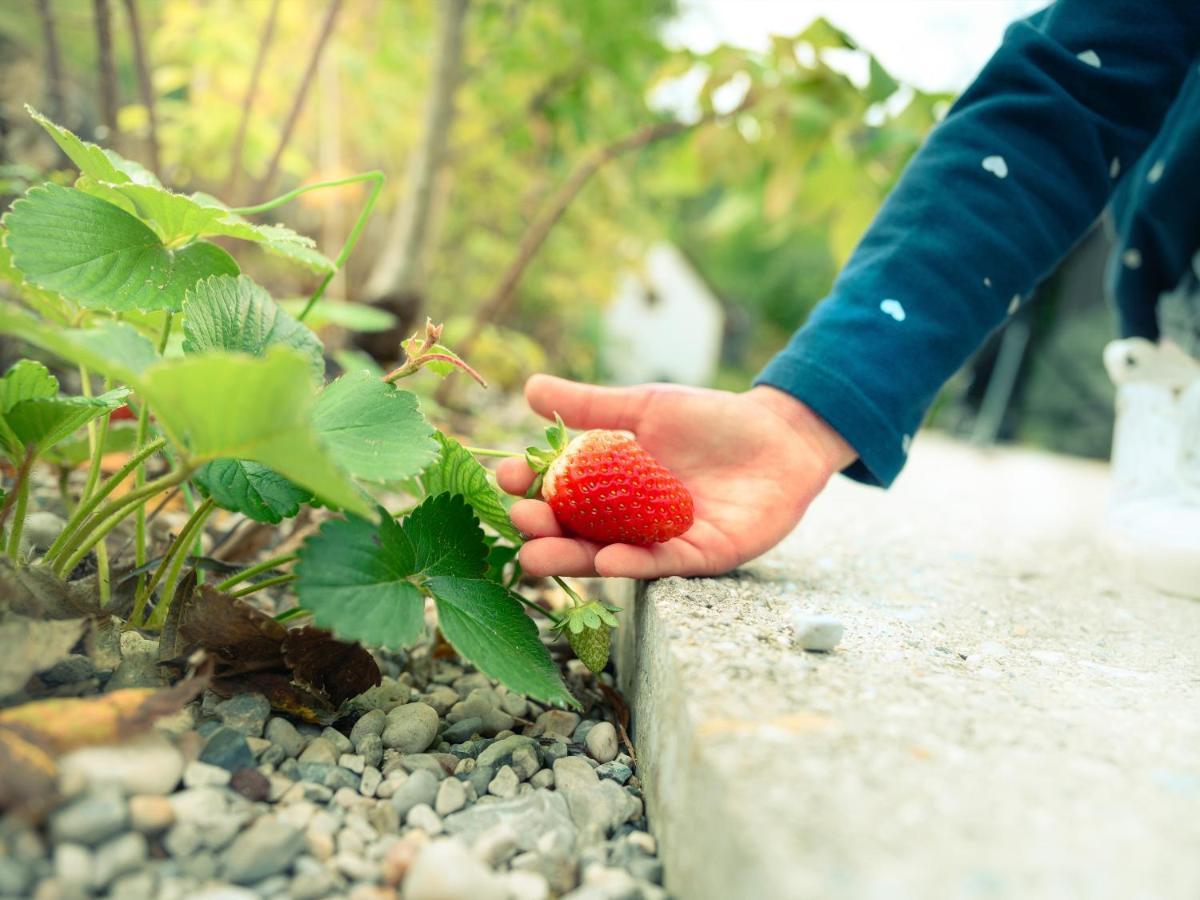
pixel 1019 169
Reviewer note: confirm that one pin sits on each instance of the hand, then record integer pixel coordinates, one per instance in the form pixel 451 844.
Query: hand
pixel 752 461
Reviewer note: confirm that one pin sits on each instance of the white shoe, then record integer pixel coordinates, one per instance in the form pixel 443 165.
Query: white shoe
pixel 1153 525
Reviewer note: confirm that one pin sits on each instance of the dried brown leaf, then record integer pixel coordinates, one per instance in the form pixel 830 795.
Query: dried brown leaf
pixel 31 646
pixel 331 667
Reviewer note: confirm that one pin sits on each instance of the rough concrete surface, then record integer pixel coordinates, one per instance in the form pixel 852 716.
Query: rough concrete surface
pixel 1005 716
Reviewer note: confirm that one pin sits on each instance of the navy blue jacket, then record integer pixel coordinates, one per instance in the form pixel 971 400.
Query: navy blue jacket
pixel 1085 103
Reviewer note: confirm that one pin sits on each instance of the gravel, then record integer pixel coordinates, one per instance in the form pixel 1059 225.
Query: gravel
pixel 601 742
pixel 817 633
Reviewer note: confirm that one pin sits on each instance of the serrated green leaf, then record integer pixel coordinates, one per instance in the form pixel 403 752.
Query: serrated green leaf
pixel 458 472
pixel 499 556
pixel 252 489
pixel 359 317
pixel 90 160
pixel 120 437
pixel 360 580
pixel 44 422
pixel 486 624
pixel 100 256
pixel 881 84
pixel 375 429
pixel 26 379
pixel 107 348
pixel 228 313
pixel 264 413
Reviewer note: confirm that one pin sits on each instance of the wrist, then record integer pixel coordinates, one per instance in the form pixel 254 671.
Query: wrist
pixel 828 443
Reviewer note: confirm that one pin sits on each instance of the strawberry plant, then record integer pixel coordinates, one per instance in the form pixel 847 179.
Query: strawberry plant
pixel 225 390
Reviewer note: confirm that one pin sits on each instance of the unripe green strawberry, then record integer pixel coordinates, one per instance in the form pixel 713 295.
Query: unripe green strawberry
pixel 588 628
pixel 604 486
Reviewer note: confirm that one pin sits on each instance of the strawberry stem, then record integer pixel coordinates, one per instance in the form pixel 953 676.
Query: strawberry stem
pixel 533 607
pixel 484 451
pixel 535 489
pixel 575 598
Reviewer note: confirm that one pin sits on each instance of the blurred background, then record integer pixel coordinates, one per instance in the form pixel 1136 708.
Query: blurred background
pixel 618 191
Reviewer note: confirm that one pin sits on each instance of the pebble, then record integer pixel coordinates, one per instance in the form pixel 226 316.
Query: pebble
pixel 411 728
pixel 556 723
pixel 353 762
pixel 320 751
pixel 501 752
pixel 370 723
pixel 616 770
pixel 818 633
pixel 540 819
pixel 227 749
pixel 139 664
pixel 544 779
pixel 602 743
pixel 71 669
pixel 98 814
pixel 597 806
pixel 483 704
pixel 370 748
pixel 446 870
pixel 441 698
pixel 451 797
pixel 41 528
pixel 148 764
pixel 340 742
pixel 463 730
pixel 14 877
pixel 420 787
pixel 266 848
pixel 73 868
pixel 515 705
pixel 505 784
pixel 246 714
pixel 283 734
pixel 118 856
pixel 251 784
pixel 370 781
pixel 527 885
pixel 201 774
pixel 423 816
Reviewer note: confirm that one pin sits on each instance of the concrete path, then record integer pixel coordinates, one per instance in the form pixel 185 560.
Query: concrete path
pixel 1005 718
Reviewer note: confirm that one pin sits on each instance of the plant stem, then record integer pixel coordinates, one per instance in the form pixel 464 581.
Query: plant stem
pixel 20 505
pixel 110 515
pixel 97 434
pixel 296 612
pixel 168 592
pixel 533 607
pixel 177 549
pixel 535 489
pixel 484 451
pixel 139 474
pixel 575 598
pixel 265 583
pixel 264 566
pixel 84 509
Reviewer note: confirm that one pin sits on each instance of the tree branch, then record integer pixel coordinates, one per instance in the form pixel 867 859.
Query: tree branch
pixel 145 85
pixel 108 72
pixel 54 80
pixel 239 140
pixel 285 136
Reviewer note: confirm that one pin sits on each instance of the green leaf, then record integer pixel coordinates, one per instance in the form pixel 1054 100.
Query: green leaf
pixel 822 34
pixel 44 422
pixel 92 161
pixel 252 489
pixel 458 472
pixel 881 84
pixel 228 313
pixel 263 413
pixel 107 348
pixel 26 379
pixel 359 317
pixel 121 437
pixel 375 429
pixel 362 581
pixel 486 624
pixel 98 255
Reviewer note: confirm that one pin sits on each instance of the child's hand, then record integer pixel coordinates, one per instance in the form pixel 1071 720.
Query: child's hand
pixel 752 462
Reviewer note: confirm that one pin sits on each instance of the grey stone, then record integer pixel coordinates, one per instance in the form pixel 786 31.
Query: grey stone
pixel 246 714
pixel 228 749
pixel 420 787
pixel 312 885
pixel 556 723
pixel 616 770
pixel 146 764
pixel 117 856
pixel 319 750
pixel 606 884
pixel 540 819
pixel 266 848
pixel 370 748
pixel 139 664
pixel 475 681
pixel 515 705
pixel 284 735
pixel 71 669
pixel 370 781
pixel 505 784
pixel 446 870
pixel 451 797
pixel 140 885
pixel 484 704
pixel 597 806
pixel 544 778
pixel 441 698
pixel 552 752
pixel 98 814
pixel 40 530
pixel 201 774
pixel 602 743
pixel 338 778
pixel 500 752
pixel 15 877
pixel 411 728
pixel 479 778
pixel 183 840
pixel 463 730
pixel 371 722
pixel 353 762
pixel 204 806
pixel 422 816
pixel 429 762
pixel 818 633
pixel 340 742
pixel 73 867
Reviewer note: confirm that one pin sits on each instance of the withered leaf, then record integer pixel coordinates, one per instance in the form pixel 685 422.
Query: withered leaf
pixel 31 646
pixel 229 628
pixel 28 775
pixel 284 695
pixel 332 667
pixel 37 592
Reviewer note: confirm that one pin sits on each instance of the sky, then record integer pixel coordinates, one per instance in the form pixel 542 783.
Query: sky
pixel 934 45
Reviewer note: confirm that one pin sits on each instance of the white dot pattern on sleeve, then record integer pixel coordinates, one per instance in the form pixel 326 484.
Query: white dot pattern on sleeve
pixel 1156 172
pixel 906 443
pixel 996 165
pixel 1114 168
pixel 1132 258
pixel 987 282
pixel 1014 304
pixel 893 308
pixel 1090 57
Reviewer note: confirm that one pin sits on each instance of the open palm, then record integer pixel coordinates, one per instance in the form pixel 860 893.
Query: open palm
pixel 752 462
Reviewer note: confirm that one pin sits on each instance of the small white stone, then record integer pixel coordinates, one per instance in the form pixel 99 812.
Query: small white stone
pixel 422 816
pixel 996 165
pixel 505 784
pixel 451 797
pixel 817 632
pixel 602 742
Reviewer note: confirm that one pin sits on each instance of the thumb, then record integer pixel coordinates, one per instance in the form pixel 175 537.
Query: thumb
pixel 586 405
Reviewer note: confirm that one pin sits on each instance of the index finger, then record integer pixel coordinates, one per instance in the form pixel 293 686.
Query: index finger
pixel 514 476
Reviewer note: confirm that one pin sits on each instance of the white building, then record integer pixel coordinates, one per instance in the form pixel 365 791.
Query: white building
pixel 664 324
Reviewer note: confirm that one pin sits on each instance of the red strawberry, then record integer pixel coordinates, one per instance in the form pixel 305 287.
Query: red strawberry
pixel 605 487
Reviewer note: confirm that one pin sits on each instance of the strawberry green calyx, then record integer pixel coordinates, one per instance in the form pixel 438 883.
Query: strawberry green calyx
pixel 540 459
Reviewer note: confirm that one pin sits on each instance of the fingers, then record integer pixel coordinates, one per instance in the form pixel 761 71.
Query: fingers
pixel 535 519
pixel 514 476
pixel 585 405
pixel 675 557
pixel 558 556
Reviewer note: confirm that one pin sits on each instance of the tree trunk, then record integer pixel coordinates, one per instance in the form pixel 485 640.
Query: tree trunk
pixel 108 71
pixel 239 140
pixel 54 81
pixel 145 85
pixel 285 136
pixel 396 282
